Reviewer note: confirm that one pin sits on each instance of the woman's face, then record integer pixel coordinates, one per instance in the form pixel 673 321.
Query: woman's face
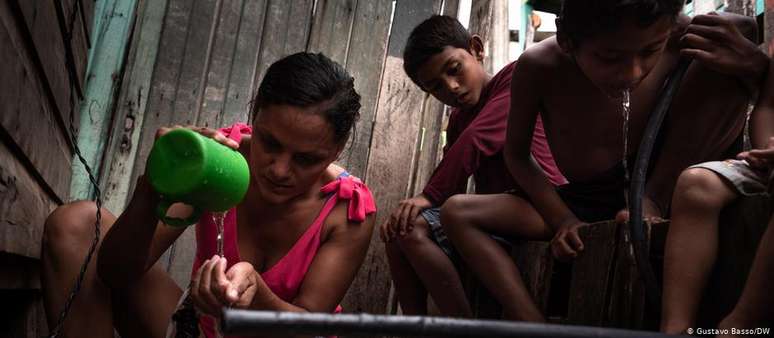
pixel 291 147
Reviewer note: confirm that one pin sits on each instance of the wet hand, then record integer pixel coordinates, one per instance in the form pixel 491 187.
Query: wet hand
pixel 208 132
pixel 212 287
pixel 717 43
pixel 566 243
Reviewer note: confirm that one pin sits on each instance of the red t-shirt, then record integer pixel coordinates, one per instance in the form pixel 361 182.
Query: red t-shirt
pixel 475 140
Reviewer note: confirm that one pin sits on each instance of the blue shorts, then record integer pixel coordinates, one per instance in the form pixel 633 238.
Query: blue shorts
pixel 438 235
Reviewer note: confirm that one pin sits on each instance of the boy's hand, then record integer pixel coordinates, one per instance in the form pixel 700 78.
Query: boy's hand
pixel 718 44
pixel 761 159
pixel 566 243
pixel 401 220
pixel 209 132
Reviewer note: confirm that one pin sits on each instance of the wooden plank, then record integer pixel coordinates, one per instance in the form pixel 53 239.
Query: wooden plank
pixel 365 62
pixel 489 19
pixel 240 86
pixel 285 31
pixel 451 8
pixel 161 97
pixel 28 116
pixel 24 206
pixel 42 24
pixel 179 258
pixel 741 226
pixel 592 273
pixel 429 139
pixel 395 128
pixel 768 25
pixel 535 262
pixel 128 118
pixel 331 28
pixel 19 272
pixel 743 7
pixel 107 60
pixel 87 18
pixel 219 64
pixel 78 44
pixel 192 75
pixel 22 314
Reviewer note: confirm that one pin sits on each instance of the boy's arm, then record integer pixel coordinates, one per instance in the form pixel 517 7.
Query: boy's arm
pixel 762 118
pixel 525 94
pixel 727 44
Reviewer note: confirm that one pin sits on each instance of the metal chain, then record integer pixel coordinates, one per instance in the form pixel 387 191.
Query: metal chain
pixel 97 197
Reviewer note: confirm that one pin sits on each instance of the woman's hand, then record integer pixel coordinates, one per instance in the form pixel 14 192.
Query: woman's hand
pixel 208 132
pixel 401 221
pixel 212 287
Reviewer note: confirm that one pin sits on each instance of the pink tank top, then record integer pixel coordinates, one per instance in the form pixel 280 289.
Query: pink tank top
pixel 285 277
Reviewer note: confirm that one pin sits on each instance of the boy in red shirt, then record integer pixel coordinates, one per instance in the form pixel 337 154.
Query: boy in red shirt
pixel 443 59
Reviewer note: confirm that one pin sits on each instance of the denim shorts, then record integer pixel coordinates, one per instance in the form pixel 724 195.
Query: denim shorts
pixel 438 235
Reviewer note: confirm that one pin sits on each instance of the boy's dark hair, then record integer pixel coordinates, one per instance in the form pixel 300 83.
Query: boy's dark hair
pixel 308 79
pixel 429 38
pixel 582 19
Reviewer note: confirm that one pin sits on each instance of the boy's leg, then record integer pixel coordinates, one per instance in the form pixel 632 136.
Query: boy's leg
pixel 435 269
pixel 67 237
pixel 470 219
pixel 691 245
pixel 411 293
pixel 756 305
pixel 705 119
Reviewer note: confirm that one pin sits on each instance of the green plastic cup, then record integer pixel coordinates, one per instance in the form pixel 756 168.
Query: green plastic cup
pixel 185 166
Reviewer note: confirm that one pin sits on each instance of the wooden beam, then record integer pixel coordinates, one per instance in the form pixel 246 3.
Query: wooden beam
pixel 489 19
pixel 393 146
pixel 241 87
pixel 107 59
pixel 220 61
pixel 365 62
pixel 30 116
pixel 129 115
pixel 24 206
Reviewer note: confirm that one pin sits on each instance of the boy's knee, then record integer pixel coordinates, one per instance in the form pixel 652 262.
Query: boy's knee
pixel 702 186
pixel 411 240
pixel 70 223
pixel 454 212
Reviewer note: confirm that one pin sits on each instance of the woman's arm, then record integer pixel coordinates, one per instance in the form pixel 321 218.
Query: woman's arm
pixel 336 264
pixel 137 238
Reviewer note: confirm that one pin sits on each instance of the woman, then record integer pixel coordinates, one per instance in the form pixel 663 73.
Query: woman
pixel 294 243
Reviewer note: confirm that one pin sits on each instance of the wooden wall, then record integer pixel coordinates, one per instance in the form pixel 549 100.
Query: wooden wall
pixel 42 61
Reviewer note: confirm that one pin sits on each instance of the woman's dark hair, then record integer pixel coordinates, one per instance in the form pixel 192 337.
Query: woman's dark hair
pixel 583 19
pixel 429 38
pixel 309 79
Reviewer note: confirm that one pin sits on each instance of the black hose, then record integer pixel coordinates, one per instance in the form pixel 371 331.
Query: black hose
pixel 637 187
pixel 247 322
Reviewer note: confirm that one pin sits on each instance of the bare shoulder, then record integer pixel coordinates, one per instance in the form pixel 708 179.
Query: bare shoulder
pixel 542 57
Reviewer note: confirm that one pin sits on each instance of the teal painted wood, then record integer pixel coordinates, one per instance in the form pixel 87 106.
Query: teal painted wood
pixel 131 109
pixel 113 22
